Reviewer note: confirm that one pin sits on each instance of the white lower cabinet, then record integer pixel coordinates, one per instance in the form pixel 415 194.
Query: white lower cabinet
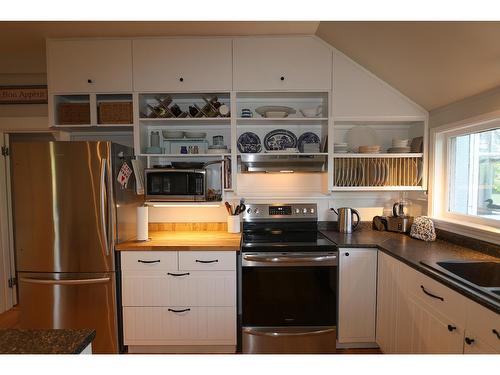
pixel 416 314
pixel 176 307
pixel 179 325
pixel 357 295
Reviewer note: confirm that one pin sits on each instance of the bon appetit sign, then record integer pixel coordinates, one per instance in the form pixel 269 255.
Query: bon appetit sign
pixel 23 95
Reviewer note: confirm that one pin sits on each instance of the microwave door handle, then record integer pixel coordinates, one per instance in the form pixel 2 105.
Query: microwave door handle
pixel 103 207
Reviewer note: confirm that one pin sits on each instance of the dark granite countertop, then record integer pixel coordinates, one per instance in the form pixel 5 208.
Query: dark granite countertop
pixel 45 341
pixel 412 251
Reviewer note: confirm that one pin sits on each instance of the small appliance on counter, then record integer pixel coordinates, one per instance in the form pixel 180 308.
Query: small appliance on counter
pixel 345 219
pixel 399 221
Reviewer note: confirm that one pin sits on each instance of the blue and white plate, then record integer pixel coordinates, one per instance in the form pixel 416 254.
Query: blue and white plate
pixel 280 139
pixel 249 143
pixel 307 137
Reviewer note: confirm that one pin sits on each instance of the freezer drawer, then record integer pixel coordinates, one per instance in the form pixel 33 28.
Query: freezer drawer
pixel 71 301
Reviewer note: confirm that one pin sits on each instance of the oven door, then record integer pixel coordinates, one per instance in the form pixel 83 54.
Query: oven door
pixel 289 302
pixel 175 185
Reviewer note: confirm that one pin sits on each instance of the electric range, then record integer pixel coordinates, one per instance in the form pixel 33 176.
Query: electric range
pixel 288 281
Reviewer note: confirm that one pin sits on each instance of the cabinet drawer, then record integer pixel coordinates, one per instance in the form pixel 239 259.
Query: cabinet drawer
pixel 481 324
pixel 149 260
pixel 441 298
pixel 207 260
pixel 179 288
pixel 196 326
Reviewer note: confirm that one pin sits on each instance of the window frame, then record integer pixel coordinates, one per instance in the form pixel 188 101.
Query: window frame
pixel 440 173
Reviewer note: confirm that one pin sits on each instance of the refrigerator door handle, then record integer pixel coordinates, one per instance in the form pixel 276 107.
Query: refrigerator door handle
pixel 111 209
pixel 32 280
pixel 103 204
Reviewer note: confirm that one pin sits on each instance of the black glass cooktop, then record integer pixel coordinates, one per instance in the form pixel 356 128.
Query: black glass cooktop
pixel 308 243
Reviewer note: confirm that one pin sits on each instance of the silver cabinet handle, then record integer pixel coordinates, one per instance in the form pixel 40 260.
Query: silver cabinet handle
pixel 32 280
pixel 103 205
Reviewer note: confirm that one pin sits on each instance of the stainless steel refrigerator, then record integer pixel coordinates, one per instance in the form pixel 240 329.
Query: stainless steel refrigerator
pixel 69 211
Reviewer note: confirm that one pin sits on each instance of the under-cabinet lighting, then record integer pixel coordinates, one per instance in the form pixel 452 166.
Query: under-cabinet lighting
pixel 182 205
pixel 286 171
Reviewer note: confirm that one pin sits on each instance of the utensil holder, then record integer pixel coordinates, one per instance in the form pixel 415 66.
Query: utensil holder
pixel 233 224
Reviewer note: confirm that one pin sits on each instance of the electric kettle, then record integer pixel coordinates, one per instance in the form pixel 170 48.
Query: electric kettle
pixel 345 219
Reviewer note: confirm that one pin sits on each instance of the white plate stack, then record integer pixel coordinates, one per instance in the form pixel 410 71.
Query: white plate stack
pixel 340 148
pixel 399 146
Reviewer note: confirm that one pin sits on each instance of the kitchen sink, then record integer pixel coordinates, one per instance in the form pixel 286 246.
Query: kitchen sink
pixel 485 274
pixel 482 276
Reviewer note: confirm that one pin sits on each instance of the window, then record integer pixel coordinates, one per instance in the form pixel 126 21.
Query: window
pixel 466 177
pixel 474 184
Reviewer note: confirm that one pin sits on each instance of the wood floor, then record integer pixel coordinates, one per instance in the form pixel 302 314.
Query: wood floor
pixel 10 319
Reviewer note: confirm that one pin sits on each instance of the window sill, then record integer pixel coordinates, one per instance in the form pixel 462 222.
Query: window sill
pixel 480 232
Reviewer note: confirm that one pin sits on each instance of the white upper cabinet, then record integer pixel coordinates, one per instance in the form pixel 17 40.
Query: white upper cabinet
pixel 358 93
pixel 281 63
pixel 92 65
pixel 183 64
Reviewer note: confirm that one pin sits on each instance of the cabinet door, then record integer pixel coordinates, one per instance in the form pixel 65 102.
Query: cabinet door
pixel 282 63
pixel 357 295
pixel 482 326
pixel 176 65
pixel 431 332
pixel 388 296
pixel 89 66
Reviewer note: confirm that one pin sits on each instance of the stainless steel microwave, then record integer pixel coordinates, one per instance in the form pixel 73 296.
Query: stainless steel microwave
pixel 175 185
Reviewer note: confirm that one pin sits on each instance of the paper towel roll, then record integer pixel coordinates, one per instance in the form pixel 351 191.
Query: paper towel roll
pixel 142 223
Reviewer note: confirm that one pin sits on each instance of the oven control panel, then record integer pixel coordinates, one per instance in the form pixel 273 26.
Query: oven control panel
pixel 281 211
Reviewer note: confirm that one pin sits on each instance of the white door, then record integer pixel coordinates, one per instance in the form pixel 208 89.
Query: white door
pixel 388 296
pixel 182 64
pixel 432 332
pixel 7 293
pixel 282 63
pixel 82 66
pixel 357 295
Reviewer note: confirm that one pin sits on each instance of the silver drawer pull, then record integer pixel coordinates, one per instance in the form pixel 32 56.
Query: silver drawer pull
pixel 207 261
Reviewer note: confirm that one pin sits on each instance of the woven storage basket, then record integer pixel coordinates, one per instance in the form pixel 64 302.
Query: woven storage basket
pixel 115 113
pixel 73 113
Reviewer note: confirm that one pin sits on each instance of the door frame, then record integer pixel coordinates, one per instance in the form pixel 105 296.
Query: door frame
pixel 8 295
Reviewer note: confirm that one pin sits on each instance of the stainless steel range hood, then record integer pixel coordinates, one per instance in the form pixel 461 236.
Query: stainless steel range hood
pixel 273 163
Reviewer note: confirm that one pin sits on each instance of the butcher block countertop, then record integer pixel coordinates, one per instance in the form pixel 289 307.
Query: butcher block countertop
pixel 185 241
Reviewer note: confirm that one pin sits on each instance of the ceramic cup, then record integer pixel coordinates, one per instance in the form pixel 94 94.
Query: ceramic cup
pixel 233 224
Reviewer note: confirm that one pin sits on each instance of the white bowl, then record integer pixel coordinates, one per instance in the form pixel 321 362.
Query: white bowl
pixel 310 112
pixel 195 134
pixel 172 134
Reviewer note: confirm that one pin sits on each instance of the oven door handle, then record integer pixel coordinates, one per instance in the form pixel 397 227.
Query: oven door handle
pixel 331 259
pixel 308 332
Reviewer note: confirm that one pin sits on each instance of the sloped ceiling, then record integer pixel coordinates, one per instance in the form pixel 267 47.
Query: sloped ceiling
pixel 433 63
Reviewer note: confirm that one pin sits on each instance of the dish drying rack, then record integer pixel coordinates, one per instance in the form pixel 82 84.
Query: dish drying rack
pixel 365 172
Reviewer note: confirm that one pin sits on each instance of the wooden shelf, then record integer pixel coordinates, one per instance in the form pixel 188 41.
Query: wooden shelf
pixel 185 155
pixel 196 120
pixel 286 153
pixel 377 188
pixel 286 120
pixel 381 155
